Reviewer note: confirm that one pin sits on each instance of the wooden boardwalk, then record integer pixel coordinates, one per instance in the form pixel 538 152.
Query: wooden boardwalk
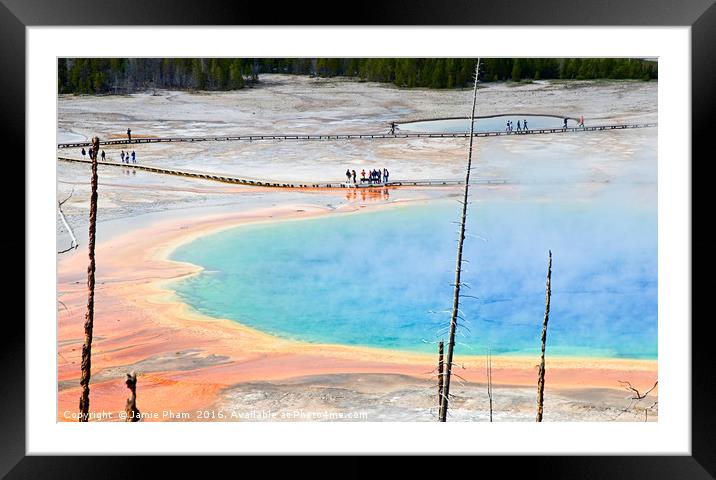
pixel 362 136
pixel 278 184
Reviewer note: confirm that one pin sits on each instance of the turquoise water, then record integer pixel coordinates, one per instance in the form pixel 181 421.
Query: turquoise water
pixel 487 124
pixel 383 278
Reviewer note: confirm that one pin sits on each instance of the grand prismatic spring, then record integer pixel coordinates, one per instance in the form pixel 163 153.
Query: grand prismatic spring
pixel 234 298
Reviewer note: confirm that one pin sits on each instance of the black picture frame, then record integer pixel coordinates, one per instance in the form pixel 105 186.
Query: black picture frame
pixel 700 15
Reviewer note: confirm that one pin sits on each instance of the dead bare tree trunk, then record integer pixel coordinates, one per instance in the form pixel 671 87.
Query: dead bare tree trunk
pixel 131 407
pixel 89 316
pixel 540 381
pixel 458 261
pixel 74 243
pixel 441 370
pixel 489 380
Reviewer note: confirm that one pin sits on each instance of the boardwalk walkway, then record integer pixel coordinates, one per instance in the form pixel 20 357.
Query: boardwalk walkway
pixel 362 136
pixel 276 184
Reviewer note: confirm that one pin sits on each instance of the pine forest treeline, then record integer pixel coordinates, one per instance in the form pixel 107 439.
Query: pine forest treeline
pixel 121 75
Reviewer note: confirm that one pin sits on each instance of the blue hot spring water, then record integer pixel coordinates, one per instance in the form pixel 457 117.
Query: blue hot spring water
pixel 485 124
pixel 383 278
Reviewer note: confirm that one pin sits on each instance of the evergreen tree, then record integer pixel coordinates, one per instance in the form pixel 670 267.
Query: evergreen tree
pixel 62 86
pixel 516 71
pixel 197 72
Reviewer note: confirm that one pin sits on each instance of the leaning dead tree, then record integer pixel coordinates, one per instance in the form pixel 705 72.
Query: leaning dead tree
pixel 131 408
pixel 73 244
pixel 458 262
pixel 540 381
pixel 89 316
pixel 489 379
pixel 441 372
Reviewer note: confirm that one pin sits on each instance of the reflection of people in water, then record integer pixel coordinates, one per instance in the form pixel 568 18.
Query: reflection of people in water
pixel 368 194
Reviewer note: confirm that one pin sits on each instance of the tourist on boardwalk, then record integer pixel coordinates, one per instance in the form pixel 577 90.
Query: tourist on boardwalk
pixel 103 156
pixel 524 124
pixel 392 128
pixel 122 156
pixel 354 176
pixel 581 121
pixel 83 151
pixel 362 175
pixel 348 176
pixel 134 157
pixel 385 175
pixel 519 127
pixel 507 127
pixel 565 124
pixel 129 135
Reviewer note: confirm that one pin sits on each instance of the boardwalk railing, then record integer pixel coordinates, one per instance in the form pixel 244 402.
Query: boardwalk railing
pixel 280 184
pixel 223 138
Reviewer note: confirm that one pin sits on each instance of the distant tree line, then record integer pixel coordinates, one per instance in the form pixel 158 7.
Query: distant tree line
pixel 121 75
pixel 126 75
pixel 457 72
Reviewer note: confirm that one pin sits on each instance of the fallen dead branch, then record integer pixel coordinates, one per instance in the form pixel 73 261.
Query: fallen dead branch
pixel 635 398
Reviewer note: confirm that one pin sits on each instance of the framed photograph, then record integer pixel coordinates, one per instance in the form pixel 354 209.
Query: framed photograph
pixel 462 230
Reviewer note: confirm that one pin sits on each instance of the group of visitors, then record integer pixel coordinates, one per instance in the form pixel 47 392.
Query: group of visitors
pixel 372 176
pixel 125 157
pixel 521 126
